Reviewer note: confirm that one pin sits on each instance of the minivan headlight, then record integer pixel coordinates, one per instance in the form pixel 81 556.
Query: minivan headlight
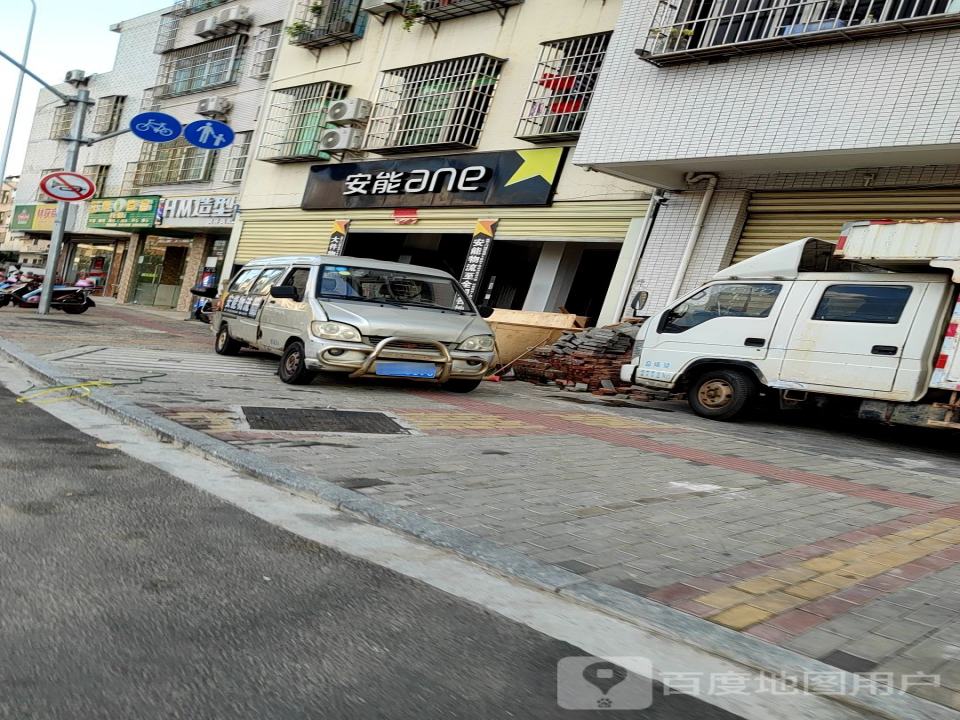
pixel 335 331
pixel 477 343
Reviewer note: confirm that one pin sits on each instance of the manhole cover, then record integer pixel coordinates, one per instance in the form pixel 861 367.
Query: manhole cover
pixel 307 420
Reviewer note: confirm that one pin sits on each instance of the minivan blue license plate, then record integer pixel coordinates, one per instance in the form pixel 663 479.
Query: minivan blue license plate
pixel 406 369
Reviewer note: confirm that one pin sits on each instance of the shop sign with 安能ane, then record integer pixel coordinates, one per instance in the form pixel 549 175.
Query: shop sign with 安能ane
pixel 509 178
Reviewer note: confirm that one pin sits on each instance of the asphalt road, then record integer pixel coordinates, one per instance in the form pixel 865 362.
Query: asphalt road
pixel 126 593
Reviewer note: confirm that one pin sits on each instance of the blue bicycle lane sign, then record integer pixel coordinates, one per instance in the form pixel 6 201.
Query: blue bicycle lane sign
pixel 155 127
pixel 208 134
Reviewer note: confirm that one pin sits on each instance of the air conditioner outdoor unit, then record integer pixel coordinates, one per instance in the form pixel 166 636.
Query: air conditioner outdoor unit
pixel 350 110
pixel 206 27
pixel 74 76
pixel 235 16
pixel 378 7
pixel 341 139
pixel 213 105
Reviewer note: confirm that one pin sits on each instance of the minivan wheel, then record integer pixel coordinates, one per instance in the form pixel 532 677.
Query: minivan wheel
pixel 224 344
pixel 293 369
pixel 461 386
pixel 722 394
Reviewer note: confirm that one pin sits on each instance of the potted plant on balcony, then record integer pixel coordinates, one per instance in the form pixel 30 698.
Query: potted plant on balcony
pixel 412 12
pixel 670 39
pixel 316 9
pixel 297 29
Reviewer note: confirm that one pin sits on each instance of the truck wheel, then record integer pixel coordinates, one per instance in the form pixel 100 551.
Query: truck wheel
pixel 461 386
pixel 224 344
pixel 293 370
pixel 722 394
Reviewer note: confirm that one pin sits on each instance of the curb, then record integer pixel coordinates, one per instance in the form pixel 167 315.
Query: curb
pixel 722 642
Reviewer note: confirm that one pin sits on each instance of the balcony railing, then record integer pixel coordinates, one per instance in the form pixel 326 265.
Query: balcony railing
pixel 331 22
pixel 688 30
pixel 439 10
pixel 189 7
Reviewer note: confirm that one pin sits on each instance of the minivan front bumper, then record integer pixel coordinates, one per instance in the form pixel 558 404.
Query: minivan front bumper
pixel 359 359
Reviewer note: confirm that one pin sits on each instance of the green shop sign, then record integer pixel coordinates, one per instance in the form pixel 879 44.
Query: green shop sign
pixel 123 212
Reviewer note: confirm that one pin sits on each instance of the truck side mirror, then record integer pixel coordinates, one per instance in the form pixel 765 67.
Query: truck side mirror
pixel 639 301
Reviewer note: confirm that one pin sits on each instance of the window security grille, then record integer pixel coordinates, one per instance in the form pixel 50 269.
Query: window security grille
pixel 130 186
pixel 433 106
pixel 562 88
pixel 200 67
pixel 62 119
pixel 149 103
pixel 265 49
pixel 439 10
pixel 237 158
pixel 690 30
pixel 97 173
pixel 108 112
pixel 167 33
pixel 297 119
pixel 330 22
pixel 173 162
pixel 188 7
pixel 41 195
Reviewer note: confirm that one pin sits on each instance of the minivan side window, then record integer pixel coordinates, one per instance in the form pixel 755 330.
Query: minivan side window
pixel 297 279
pixel 746 300
pixel 242 282
pixel 881 304
pixel 263 283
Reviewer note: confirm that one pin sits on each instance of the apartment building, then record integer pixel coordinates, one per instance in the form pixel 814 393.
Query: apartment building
pixel 93 252
pixel 8 245
pixel 210 58
pixel 439 132
pixel 764 122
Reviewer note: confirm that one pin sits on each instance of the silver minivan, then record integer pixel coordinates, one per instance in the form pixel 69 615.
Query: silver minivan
pixel 357 316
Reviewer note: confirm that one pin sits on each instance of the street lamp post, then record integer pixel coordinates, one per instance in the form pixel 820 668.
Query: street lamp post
pixel 8 138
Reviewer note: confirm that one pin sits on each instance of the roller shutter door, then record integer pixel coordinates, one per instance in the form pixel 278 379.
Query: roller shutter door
pixel 776 218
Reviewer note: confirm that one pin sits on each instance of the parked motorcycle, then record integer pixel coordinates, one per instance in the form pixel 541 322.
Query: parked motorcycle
pixel 202 309
pixel 68 298
pixel 12 293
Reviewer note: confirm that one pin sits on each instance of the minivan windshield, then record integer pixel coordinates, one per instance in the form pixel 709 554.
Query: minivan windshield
pixel 394 287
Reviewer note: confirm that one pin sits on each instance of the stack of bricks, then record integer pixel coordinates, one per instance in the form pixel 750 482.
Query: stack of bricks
pixel 583 360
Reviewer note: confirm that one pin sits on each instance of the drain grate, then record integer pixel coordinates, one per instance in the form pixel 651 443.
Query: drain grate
pixel 310 420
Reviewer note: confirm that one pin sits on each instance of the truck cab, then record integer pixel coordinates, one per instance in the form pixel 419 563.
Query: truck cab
pixel 800 321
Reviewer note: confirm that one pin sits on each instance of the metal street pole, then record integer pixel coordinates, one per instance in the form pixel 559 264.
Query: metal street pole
pixel 81 101
pixel 8 138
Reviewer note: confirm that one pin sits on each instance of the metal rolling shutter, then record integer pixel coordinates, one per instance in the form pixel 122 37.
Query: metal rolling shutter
pixel 776 218
pixel 291 231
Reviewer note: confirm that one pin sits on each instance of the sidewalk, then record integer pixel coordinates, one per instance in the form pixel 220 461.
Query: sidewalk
pixel 845 551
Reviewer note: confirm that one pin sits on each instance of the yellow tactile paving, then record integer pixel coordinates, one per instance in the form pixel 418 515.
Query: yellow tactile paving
pixel 750 601
pixel 463 421
pixel 605 421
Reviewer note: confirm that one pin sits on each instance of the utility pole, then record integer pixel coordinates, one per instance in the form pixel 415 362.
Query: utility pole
pixel 80 103
pixel 15 107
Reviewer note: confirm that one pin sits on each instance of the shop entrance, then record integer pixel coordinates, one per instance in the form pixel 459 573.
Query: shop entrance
pixel 93 263
pixel 443 251
pixel 591 282
pixel 160 269
pixel 509 273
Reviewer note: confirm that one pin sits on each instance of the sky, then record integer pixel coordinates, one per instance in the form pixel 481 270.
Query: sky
pixel 67 35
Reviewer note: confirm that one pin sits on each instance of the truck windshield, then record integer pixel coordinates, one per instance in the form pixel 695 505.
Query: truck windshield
pixel 389 286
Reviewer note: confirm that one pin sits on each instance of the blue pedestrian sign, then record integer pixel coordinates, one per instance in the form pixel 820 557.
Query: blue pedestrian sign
pixel 155 127
pixel 208 134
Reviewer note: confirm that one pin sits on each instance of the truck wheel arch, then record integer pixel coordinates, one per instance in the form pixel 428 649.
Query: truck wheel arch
pixel 698 367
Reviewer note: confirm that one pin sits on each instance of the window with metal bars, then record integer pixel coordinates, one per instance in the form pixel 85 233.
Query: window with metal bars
pixel 433 106
pixel 109 110
pixel 439 10
pixel 562 88
pixel 173 162
pixel 200 67
pixel 62 120
pixel 237 158
pixel 331 22
pixel 188 7
pixel 265 49
pixel 97 173
pixel 41 196
pixel 296 120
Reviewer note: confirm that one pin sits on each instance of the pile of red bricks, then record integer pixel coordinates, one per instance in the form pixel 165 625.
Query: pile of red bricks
pixel 589 361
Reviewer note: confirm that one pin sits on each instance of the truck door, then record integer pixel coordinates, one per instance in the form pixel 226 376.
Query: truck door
pixel 724 320
pixel 283 318
pixel 851 335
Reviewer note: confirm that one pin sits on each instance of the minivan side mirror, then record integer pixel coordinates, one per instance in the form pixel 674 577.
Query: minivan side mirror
pixel 284 292
pixel 485 311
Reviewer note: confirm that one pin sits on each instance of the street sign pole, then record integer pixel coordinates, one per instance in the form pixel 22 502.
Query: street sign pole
pixel 80 102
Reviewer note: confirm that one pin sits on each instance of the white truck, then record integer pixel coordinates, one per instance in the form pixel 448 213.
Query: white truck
pixel 872 318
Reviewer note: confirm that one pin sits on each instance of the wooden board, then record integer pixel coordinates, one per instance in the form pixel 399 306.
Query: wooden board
pixel 535 319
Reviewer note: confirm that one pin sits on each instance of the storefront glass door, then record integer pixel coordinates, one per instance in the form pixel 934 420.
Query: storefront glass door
pixel 159 274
